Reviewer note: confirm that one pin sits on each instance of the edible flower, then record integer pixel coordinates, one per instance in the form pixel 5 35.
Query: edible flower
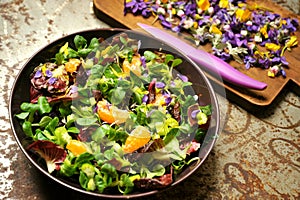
pixel 292 42
pixel 38 74
pixel 243 15
pixel 224 3
pixel 272 46
pixel 214 29
pixel 203 4
pixel 264 32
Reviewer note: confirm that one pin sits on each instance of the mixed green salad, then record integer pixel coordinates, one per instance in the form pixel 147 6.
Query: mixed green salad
pixel 113 117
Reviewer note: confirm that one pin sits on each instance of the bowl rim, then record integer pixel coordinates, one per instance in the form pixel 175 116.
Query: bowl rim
pixel 211 90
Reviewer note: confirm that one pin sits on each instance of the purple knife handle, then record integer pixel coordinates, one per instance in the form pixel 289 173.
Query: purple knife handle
pixel 226 71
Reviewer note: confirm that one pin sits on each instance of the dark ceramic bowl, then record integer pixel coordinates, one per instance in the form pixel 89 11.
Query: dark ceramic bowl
pixel 20 93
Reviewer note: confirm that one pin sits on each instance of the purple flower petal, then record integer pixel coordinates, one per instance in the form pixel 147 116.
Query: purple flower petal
pixel 135 9
pixel 183 77
pixel 130 4
pixel 276 60
pixel 52 80
pixel 194 113
pixel 172 84
pixel 284 61
pixel 38 74
pixel 146 13
pixel 283 73
pixel 143 60
pixel 48 73
pixel 168 100
pixel 176 29
pixel 95 109
pixel 73 89
pixel 160 85
pixel 145 98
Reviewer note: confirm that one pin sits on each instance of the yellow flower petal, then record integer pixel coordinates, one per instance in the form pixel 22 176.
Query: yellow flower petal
pixel 239 13
pixel 64 49
pixel 214 29
pixel 223 3
pixel 246 15
pixel 272 46
pixel 264 32
pixel 243 15
pixel 242 5
pixel 283 22
pixel 203 4
pixel 173 11
pixel 271 74
pixel 292 42
pixel 195 25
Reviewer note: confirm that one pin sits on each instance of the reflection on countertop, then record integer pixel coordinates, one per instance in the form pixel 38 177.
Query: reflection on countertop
pixel 256 155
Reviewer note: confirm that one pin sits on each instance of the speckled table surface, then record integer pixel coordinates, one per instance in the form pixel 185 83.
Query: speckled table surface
pixel 257 155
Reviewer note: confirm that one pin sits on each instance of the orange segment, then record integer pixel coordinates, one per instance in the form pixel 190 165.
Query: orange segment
pixel 134 66
pixel 105 112
pixel 72 65
pixel 111 114
pixel 138 138
pixel 76 147
pixel 119 115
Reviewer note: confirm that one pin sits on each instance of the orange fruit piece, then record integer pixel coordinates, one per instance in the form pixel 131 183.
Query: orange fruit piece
pixel 134 66
pixel 76 147
pixel 119 115
pixel 137 138
pixel 105 112
pixel 111 114
pixel 72 65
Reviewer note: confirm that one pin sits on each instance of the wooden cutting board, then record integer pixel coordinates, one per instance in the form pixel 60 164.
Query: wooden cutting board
pixel 111 12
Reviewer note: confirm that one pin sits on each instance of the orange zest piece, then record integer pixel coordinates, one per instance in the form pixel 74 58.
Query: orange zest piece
pixel 76 147
pixel 138 138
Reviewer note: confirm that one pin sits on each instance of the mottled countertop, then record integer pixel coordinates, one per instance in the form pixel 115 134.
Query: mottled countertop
pixel 257 155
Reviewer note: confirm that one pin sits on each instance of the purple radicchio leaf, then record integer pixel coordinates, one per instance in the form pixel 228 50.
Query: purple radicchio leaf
pixel 52 153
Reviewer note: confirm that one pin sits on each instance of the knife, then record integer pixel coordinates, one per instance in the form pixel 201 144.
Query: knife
pixel 206 60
